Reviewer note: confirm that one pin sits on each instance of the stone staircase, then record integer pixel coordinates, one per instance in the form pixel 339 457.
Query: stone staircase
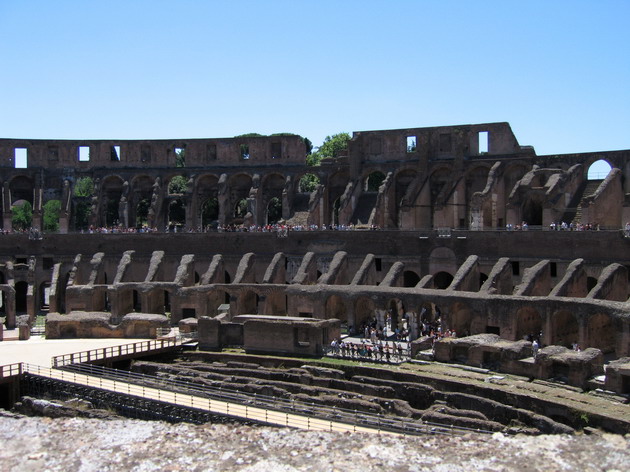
pixel 591 187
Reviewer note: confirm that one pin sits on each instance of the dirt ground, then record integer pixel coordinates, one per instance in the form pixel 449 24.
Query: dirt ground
pixel 75 444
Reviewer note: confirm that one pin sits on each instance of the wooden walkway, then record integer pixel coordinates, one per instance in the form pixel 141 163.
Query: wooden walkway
pixel 214 406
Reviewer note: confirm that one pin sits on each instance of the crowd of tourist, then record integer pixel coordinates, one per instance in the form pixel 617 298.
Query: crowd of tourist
pixel 563 226
pixel 366 350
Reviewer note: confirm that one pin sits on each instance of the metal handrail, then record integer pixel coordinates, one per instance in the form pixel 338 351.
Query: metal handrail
pixel 272 403
pixel 118 351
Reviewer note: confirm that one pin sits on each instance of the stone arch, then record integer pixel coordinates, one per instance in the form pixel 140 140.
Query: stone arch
pixel 442 280
pixel 459 318
pixel 532 209
pixel 273 211
pixel 335 187
pixel 206 194
pixel 528 323
pixel 209 212
pixel 372 180
pixel 141 191
pixel 598 170
pixel 21 188
pixel 112 189
pixel 176 213
pixel 239 189
pixel 564 328
pixel 601 332
pixel 248 302
pixel 216 298
pixel 364 313
pixel 410 278
pixel 336 308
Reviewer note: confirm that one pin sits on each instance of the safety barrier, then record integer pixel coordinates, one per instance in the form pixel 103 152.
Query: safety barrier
pixel 123 350
pixel 10 370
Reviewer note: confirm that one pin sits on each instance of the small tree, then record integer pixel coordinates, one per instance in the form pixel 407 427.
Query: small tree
pixel 84 187
pixel 52 208
pixel 22 216
pixel 333 146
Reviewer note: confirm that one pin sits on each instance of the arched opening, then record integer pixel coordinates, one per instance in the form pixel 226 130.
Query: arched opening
pixel 598 170
pixel 601 333
pixel 374 181
pixel 210 213
pixel 533 212
pixel 564 330
pixel 142 212
pixel 336 308
pixel 364 314
pixel 274 210
pixel 3 303
pixel 248 303
pixel 21 290
pixel 112 217
pixel 410 278
pixel 528 324
pixel 335 212
pixel 442 280
pixel 176 214
pixel 591 282
pixel 459 319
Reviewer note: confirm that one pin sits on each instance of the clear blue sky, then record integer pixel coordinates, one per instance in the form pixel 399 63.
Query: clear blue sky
pixel 558 71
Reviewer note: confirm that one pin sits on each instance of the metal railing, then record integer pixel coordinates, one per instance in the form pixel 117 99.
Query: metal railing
pixel 238 404
pixel 118 351
pixel 10 370
pixel 393 356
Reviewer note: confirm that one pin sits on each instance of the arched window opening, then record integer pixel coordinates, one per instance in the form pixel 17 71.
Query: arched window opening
pixel 274 210
pixel 598 170
pixel 210 213
pixel 335 213
pixel 142 212
pixel 111 213
pixel 374 181
pixel 442 280
pixel 176 214
pixel 410 278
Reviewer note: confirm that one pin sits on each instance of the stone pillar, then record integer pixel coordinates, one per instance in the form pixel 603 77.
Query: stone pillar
pixel 7 214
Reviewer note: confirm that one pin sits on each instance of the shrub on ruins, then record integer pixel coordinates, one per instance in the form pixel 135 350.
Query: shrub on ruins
pixel 84 187
pixel 52 208
pixel 22 216
pixel 333 146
